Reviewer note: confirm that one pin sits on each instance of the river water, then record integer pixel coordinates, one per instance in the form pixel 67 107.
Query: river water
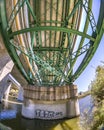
pixel 10 115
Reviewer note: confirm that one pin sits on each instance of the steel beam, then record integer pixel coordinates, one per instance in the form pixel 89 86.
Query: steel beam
pixel 47 38
pixel 10 48
pixel 90 53
pixel 50 28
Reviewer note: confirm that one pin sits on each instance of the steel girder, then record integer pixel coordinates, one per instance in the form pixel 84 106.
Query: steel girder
pixel 45 40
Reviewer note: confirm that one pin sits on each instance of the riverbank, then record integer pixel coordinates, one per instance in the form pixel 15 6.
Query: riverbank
pixel 20 123
pixel 3 127
pixel 84 94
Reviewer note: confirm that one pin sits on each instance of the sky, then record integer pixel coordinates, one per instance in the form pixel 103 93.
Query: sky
pixel 88 75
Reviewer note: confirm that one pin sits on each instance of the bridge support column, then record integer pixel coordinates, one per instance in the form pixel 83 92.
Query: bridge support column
pixel 6 95
pixel 20 94
pixel 73 103
pixel 50 103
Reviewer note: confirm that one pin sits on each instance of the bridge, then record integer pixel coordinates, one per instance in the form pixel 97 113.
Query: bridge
pixel 46 39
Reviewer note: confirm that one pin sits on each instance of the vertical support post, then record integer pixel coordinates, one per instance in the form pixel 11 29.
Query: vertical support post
pixel 73 104
pixel 43 106
pixel 7 92
pixel 6 96
pixel 20 94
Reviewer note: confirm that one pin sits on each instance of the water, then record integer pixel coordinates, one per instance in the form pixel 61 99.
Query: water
pixel 11 116
pixel 86 103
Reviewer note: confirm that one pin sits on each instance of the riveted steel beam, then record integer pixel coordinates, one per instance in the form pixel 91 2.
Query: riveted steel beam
pixel 43 28
pixel 47 38
pixel 44 64
pixel 90 53
pixel 73 11
pixel 80 47
pixel 11 49
pixel 15 11
pixel 90 16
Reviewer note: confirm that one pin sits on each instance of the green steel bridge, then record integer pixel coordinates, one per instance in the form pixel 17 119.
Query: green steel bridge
pixel 46 39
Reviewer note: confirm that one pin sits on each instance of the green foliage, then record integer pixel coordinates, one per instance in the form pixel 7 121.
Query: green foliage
pixel 97 86
pixel 97 92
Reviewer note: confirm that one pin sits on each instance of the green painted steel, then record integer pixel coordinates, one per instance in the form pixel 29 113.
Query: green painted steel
pixel 50 28
pixel 10 48
pixel 90 53
pixel 45 39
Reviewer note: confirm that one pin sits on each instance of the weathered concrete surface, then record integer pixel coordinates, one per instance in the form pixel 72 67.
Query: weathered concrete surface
pixel 5 58
pixel 38 102
pixel 18 76
pixel 6 67
pixel 4 84
pixel 50 110
pixel 44 110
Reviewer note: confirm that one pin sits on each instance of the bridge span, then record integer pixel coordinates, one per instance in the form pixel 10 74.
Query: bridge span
pixel 50 42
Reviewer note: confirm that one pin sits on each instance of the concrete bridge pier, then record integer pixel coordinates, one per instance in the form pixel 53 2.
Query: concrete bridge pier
pixel 73 103
pixel 50 103
pixel 6 94
pixel 20 94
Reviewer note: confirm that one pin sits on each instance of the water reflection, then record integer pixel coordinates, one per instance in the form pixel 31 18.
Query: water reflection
pixel 72 124
pixel 11 116
pixel 17 122
pixel 7 114
pixel 86 103
pixel 39 124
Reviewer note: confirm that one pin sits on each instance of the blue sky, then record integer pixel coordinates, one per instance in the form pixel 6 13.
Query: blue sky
pixel 88 74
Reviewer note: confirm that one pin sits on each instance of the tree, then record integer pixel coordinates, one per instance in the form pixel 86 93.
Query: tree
pixel 97 92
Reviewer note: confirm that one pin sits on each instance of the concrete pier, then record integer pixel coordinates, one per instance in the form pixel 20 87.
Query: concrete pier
pixel 50 103
pixel 20 94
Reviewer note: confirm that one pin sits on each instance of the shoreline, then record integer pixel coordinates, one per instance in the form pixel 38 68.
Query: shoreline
pixel 84 94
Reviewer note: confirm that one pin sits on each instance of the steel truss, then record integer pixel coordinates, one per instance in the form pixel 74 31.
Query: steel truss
pixel 41 37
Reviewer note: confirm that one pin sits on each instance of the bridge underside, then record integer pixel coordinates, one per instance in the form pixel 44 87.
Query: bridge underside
pixel 46 38
pixel 51 42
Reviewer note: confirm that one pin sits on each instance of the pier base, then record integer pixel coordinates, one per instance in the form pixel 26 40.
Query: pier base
pixel 50 103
